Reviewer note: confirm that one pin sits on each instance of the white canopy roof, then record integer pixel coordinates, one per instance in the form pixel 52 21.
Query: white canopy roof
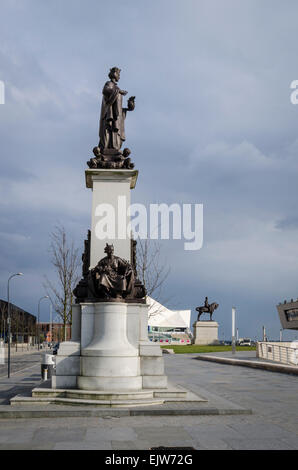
pixel 161 316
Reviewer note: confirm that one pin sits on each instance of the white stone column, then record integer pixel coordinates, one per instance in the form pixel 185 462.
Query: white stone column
pixel 110 361
pixel 87 323
pixel 133 323
pixel 110 187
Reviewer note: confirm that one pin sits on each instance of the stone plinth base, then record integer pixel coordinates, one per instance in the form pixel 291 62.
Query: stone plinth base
pixel 110 361
pixel 109 399
pixel 205 332
pixel 110 350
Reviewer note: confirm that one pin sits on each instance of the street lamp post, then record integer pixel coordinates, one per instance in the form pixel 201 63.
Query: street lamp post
pixel 38 331
pixel 233 330
pixel 9 322
pixel 51 322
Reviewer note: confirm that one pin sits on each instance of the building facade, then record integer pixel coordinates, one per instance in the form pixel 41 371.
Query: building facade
pixel 23 324
pixel 288 314
pixel 168 326
pixel 53 332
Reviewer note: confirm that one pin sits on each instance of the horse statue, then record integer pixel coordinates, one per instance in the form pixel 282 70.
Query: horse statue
pixel 207 308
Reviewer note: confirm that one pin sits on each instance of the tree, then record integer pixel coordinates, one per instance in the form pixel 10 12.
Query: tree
pixel 65 259
pixel 152 270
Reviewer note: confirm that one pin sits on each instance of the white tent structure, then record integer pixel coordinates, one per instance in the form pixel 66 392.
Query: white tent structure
pixel 162 318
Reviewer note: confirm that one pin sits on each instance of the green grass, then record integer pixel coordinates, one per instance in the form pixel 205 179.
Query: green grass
pixel 195 348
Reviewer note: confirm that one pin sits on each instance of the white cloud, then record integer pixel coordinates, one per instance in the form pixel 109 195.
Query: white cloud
pixel 60 188
pixel 233 158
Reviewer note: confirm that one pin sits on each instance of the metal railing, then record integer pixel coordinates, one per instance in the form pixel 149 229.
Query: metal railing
pixel 278 352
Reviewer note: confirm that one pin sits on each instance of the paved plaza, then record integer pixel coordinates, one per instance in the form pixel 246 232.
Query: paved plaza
pixel 271 396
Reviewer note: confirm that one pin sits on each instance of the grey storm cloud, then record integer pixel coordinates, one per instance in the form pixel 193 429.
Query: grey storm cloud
pixel 213 124
pixel 290 223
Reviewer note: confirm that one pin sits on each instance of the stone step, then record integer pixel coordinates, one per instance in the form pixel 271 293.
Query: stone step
pixel 92 394
pixel 171 393
pixel 43 400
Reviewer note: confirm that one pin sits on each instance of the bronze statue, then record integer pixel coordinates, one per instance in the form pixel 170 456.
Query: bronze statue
pixel 112 279
pixel 207 308
pixel 111 126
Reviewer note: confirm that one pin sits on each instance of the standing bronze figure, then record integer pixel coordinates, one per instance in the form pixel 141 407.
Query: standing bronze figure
pixel 108 153
pixel 207 308
pixel 112 118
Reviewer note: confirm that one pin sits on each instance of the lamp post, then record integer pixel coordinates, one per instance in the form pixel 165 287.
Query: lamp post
pixel 51 324
pixel 38 332
pixel 9 322
pixel 233 330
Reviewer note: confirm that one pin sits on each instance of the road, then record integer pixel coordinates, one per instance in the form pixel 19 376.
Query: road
pixel 20 361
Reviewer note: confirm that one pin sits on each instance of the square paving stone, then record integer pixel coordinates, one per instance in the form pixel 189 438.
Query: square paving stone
pixel 90 445
pixel 57 435
pixel 211 431
pixel 137 444
pixel 213 443
pixel 166 435
pixel 261 430
pixel 15 435
pixel 110 434
pixel 258 444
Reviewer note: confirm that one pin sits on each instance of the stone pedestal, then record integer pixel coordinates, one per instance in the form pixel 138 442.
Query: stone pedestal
pixel 110 350
pixel 110 361
pixel 205 332
pixel 152 363
pixel 110 198
pixel 68 361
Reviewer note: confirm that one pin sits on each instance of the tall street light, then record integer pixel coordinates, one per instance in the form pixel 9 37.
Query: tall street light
pixel 233 330
pixel 38 332
pixel 9 321
pixel 51 323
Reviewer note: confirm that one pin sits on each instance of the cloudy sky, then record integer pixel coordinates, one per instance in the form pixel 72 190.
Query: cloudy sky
pixel 213 124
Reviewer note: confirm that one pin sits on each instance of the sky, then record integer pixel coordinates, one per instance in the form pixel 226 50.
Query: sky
pixel 213 124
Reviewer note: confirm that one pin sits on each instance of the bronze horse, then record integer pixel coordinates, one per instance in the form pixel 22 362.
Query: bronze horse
pixel 207 309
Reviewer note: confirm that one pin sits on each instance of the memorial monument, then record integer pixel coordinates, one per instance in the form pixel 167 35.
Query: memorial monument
pixel 206 332
pixel 110 350
pixel 110 360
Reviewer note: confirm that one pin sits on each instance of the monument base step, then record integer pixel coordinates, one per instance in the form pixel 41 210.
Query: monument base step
pixel 19 400
pixel 107 399
pixel 92 394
